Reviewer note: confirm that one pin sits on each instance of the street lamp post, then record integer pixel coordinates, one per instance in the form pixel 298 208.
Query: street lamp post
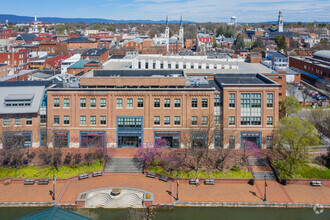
pixel 177 187
pixel 54 188
pixel 265 198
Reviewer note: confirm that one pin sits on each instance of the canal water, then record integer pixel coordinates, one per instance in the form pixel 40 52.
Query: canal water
pixel 183 213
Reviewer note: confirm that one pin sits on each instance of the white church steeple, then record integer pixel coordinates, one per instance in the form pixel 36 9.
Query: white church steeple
pixel 280 22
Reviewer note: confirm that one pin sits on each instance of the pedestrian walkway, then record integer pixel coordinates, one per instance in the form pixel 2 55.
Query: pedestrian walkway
pixel 124 165
pixel 261 169
pixel 165 192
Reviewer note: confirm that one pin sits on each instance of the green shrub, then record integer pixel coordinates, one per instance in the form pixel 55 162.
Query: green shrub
pixel 302 172
pixel 235 168
pixel 203 174
pixel 40 172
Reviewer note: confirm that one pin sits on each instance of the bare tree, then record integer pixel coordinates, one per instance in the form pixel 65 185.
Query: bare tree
pixel 305 94
pixel 292 89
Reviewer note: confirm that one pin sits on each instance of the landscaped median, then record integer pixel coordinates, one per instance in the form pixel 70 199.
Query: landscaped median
pixel 237 174
pixel 47 172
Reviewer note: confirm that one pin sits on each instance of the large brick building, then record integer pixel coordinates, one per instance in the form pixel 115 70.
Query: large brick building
pixel 314 68
pixel 15 59
pixel 126 108
pixel 6 33
pixel 23 113
pixel 80 43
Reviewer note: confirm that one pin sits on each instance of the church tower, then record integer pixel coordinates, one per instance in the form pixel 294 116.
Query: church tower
pixel 181 32
pixel 167 29
pixel 280 22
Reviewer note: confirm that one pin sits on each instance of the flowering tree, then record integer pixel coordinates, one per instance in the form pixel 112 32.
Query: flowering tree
pixel 251 149
pixel 148 151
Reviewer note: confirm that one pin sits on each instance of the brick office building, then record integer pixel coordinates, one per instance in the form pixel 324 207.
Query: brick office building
pixel 126 108
pixel 15 60
pixel 80 43
pixel 6 33
pixel 53 48
pixel 314 68
pixel 23 114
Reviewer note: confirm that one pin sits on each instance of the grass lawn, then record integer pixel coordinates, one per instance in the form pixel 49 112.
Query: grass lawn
pixel 202 174
pixel 304 172
pixel 47 172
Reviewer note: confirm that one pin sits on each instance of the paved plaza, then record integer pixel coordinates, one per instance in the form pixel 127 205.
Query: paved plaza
pixel 67 191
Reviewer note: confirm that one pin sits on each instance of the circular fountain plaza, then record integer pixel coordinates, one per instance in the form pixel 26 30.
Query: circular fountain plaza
pixel 115 197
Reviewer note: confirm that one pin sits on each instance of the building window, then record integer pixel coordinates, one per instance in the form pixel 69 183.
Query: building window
pixel 157 103
pixel 167 120
pixel 56 120
pixel 93 120
pixel 43 138
pixel 199 139
pixel 177 120
pixel 43 119
pixel 177 103
pixel 29 120
pixel 56 103
pixel 156 120
pixel 231 141
pixel 269 120
pixel 119 103
pixel 129 103
pixel 194 120
pixel 103 120
pixel 93 103
pixel 140 103
pixel 194 103
pixel 250 109
pixel 217 99
pixel 167 103
pixel 217 119
pixel 66 120
pixel 231 100
pixel 6 122
pixel 83 103
pixel 204 120
pixel 269 100
pixel 61 139
pixel 231 120
pixel 66 103
pixel 204 103
pixel 103 103
pixel 269 142
pixel 17 121
pixel 217 139
pixel 82 120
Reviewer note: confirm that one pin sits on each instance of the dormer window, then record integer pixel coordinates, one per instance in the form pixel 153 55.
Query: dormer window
pixel 19 100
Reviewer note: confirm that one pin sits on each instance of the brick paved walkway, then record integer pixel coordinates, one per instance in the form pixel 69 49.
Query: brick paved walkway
pixel 221 192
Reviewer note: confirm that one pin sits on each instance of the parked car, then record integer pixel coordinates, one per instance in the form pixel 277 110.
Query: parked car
pixel 321 98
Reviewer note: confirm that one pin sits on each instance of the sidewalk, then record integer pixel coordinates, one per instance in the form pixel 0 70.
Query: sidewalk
pixel 220 192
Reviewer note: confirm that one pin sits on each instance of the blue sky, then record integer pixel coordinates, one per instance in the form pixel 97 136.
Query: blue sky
pixel 192 10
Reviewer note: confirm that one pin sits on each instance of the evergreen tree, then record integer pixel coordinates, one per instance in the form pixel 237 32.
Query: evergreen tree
pixel 239 42
pixel 281 43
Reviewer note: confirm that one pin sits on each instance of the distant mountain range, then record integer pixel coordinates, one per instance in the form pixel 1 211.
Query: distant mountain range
pixel 27 19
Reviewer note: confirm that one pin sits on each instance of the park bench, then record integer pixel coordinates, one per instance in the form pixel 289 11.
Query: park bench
pixel 83 176
pixel 43 182
pixel 29 182
pixel 316 183
pixel 209 182
pixel 192 181
pixel 151 175
pixel 97 173
pixel 163 178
